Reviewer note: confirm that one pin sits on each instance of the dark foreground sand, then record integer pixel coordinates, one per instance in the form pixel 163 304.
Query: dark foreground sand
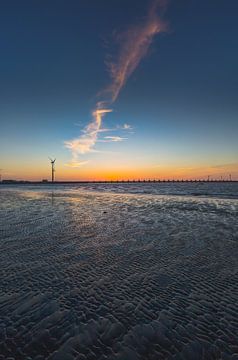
pixel 117 276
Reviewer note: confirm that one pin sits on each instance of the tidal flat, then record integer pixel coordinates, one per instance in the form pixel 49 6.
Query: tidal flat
pixel 124 272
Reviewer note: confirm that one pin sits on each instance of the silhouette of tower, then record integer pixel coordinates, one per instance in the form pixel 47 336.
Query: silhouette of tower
pixel 52 169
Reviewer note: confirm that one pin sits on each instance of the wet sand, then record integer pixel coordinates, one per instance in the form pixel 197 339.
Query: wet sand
pixel 98 275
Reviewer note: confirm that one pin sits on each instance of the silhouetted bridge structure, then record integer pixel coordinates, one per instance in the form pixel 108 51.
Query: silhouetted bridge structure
pixel 45 182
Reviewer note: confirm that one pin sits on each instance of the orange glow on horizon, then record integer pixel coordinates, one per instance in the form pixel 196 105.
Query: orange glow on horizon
pixel 114 173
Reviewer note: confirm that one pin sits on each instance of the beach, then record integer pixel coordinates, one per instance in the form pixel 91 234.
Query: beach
pixel 119 271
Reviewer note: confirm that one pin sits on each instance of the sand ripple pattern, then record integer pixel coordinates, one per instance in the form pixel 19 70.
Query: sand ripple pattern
pixel 90 275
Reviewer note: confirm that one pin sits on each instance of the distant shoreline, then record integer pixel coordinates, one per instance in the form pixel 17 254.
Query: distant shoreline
pixel 24 182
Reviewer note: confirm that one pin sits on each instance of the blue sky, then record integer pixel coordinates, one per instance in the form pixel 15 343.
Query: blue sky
pixel 180 101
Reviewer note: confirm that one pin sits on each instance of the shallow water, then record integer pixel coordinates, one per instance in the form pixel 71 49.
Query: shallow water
pixel 119 271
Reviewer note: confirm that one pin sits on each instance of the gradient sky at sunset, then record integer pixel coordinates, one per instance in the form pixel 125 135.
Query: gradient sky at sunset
pixel 176 115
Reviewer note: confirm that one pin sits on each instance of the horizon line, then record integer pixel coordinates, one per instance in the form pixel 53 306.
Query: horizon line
pixel 44 181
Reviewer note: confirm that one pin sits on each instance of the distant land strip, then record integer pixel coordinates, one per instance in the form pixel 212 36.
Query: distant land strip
pixel 46 182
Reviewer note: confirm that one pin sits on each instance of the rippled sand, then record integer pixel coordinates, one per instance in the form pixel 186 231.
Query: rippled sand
pixel 90 275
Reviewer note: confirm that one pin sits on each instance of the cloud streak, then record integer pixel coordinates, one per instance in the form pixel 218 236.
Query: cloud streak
pixel 75 164
pixel 85 143
pixel 134 45
pixel 112 139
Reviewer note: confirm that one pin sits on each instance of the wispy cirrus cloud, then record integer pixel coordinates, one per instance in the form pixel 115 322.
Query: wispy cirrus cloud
pixel 84 144
pixel 116 128
pixel 134 45
pixel 112 139
pixel 75 164
pixel 127 127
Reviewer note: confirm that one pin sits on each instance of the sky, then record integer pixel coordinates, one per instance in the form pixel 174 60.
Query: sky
pixel 118 89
